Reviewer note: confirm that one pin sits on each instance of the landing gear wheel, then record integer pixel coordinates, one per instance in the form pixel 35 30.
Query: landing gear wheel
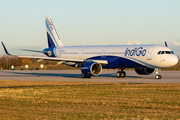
pixel 88 76
pixel 85 76
pixel 121 74
pixel 118 74
pixel 158 76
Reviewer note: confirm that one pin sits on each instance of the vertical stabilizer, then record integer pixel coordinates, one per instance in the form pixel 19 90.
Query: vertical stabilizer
pixel 52 36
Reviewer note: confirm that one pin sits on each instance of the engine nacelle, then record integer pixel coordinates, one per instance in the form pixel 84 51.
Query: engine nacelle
pixel 144 71
pixel 91 68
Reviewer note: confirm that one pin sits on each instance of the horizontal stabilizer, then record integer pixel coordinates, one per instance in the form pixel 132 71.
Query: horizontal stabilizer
pixel 33 50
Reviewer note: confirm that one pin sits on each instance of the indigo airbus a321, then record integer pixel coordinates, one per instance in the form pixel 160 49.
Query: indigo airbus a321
pixel 145 59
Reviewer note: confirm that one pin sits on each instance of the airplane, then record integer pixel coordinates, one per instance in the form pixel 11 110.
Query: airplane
pixel 145 59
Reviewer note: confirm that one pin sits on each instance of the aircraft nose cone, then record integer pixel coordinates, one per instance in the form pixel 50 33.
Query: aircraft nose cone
pixel 174 60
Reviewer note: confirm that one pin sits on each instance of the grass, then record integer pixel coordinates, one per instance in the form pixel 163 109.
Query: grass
pixel 73 100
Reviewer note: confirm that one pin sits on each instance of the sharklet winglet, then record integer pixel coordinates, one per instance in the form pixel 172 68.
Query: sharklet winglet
pixel 5 49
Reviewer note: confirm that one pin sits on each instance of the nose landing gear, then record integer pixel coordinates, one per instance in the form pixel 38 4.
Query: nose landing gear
pixel 158 76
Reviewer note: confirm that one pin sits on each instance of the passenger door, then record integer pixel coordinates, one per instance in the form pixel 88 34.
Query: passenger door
pixel 149 54
pixel 81 54
pixel 103 53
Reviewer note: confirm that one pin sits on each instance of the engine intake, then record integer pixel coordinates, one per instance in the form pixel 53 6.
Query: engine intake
pixel 91 68
pixel 144 71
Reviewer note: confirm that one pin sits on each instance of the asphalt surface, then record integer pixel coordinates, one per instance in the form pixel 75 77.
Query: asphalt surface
pixel 75 76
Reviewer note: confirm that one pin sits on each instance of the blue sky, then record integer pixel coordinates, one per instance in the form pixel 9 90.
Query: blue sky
pixel 78 22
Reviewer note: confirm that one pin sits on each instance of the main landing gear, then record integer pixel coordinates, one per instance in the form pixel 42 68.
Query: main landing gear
pixel 158 76
pixel 85 76
pixel 121 74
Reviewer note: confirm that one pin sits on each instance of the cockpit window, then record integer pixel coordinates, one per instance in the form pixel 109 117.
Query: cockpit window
pixel 165 52
pixel 168 52
pixel 159 52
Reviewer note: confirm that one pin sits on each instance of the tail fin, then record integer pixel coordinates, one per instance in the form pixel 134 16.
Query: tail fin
pixel 166 44
pixel 52 36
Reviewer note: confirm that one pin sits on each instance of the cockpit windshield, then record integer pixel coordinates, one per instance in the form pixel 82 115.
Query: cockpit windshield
pixel 165 52
pixel 168 52
pixel 159 52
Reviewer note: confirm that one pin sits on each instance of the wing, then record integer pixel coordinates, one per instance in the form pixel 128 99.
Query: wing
pixel 57 58
pixel 66 59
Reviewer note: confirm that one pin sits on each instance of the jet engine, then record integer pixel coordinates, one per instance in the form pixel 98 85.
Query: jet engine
pixel 144 71
pixel 91 68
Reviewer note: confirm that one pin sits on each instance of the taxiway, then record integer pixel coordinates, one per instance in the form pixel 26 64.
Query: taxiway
pixel 75 76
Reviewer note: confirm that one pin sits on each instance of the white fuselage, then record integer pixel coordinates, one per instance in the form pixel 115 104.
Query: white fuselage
pixel 146 55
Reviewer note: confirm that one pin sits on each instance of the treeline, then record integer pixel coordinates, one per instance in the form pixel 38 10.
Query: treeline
pixel 6 63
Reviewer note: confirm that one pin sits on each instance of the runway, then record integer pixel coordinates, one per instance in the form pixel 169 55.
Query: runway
pixel 75 76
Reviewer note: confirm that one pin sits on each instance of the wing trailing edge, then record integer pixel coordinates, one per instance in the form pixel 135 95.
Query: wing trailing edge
pixel 65 59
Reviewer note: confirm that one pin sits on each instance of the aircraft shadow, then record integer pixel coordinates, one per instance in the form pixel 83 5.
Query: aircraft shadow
pixel 113 75
pixel 48 75
pixel 66 75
